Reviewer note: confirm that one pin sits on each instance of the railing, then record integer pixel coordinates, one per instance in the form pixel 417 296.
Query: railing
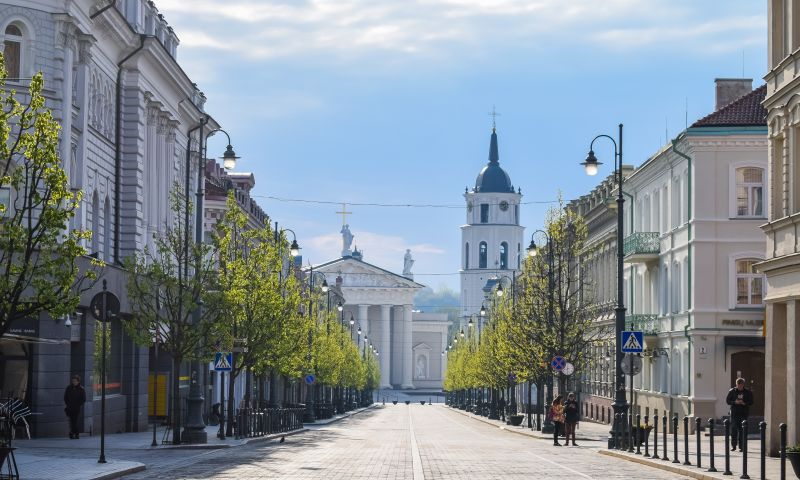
pixel 639 243
pixel 251 422
pixel 645 322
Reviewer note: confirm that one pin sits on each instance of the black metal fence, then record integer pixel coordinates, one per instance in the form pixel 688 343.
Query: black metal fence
pixel 257 422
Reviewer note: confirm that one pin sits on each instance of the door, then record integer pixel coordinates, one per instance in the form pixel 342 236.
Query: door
pixel 750 366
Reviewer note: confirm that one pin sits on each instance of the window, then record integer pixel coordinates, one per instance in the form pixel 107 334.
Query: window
pixel 503 256
pixel 107 230
pixel 516 214
pixel 749 192
pixel 12 51
pixel 95 223
pixel 484 213
pixel 749 284
pixel 482 254
pixel 466 256
pixel 676 287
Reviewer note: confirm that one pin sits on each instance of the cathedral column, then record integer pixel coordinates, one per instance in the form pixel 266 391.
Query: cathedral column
pixel 383 347
pixel 406 348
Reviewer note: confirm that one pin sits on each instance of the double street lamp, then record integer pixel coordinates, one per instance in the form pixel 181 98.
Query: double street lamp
pixel 591 163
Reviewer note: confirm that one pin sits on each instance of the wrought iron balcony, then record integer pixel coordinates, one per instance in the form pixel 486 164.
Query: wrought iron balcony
pixel 645 322
pixel 642 247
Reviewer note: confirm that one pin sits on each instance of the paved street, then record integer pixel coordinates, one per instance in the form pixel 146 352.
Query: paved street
pixel 405 442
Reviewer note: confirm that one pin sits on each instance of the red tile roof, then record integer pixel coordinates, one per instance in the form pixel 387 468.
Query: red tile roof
pixel 746 111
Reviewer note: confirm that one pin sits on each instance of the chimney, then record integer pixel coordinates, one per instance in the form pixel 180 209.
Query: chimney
pixel 731 89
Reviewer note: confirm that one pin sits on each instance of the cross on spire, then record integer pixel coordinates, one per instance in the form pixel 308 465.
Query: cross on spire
pixel 494 116
pixel 344 214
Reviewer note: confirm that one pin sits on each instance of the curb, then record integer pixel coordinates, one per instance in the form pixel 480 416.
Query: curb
pixel 541 436
pixel 661 466
pixel 334 420
pixel 121 473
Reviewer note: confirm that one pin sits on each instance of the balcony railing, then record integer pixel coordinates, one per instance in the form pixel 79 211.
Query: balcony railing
pixel 645 244
pixel 645 322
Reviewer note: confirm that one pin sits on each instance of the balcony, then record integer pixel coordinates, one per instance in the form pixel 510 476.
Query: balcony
pixel 642 247
pixel 644 322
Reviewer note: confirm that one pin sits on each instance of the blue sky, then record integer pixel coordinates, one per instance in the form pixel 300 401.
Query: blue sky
pixel 386 101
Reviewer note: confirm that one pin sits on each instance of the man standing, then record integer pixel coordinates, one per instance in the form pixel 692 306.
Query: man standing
pixel 74 398
pixel 740 399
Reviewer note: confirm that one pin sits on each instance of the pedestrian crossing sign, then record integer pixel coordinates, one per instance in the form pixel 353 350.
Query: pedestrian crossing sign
pixel 632 342
pixel 223 361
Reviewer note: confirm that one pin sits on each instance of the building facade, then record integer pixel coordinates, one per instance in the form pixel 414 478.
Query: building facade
pixel 127 111
pixel 782 261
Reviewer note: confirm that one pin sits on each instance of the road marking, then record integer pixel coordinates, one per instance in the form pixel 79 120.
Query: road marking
pixel 416 460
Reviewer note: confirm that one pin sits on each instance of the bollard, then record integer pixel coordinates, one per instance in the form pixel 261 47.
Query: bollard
pixel 655 436
pixel 664 424
pixel 762 430
pixel 638 434
pixel 686 441
pixel 697 421
pixel 630 432
pixel 743 441
pixel 614 431
pixel 675 440
pixel 726 424
pixel 711 445
pixel 646 437
pixel 782 428
pixel 622 432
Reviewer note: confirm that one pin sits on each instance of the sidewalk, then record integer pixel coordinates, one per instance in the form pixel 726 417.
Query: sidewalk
pixel 126 453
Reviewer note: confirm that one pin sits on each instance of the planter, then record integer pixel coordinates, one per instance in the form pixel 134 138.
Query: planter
pixel 516 419
pixel 640 434
pixel 408 402
pixel 394 402
pixel 422 402
pixel 794 458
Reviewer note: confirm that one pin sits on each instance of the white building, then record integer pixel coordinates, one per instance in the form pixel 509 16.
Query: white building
pixel 491 240
pixel 782 264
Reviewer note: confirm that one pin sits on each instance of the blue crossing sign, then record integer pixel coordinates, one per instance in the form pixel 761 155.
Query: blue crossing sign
pixel 310 379
pixel 632 342
pixel 223 361
pixel 558 362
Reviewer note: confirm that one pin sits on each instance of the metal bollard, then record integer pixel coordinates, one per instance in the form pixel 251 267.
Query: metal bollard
pixel 646 437
pixel 782 428
pixel 697 421
pixel 655 436
pixel 664 424
pixel 711 445
pixel 743 441
pixel 638 434
pixel 686 441
pixel 630 432
pixel 675 440
pixel 762 430
pixel 726 424
pixel 621 432
pixel 614 431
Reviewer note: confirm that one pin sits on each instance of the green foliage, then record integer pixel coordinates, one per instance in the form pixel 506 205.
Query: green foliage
pixel 38 253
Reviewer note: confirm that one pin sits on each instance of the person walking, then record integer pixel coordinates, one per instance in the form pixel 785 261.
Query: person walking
pixel 74 398
pixel 557 413
pixel 571 416
pixel 740 399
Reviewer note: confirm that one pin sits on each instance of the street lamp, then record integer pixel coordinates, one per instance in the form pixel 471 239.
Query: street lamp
pixel 591 163
pixel 339 306
pixel 483 310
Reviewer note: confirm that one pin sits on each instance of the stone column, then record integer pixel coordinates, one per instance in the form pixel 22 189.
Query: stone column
pixel 792 372
pixel 383 347
pixel 362 321
pixel 406 348
pixel 775 383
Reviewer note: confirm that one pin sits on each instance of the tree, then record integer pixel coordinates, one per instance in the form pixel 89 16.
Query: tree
pixel 173 291
pixel 39 269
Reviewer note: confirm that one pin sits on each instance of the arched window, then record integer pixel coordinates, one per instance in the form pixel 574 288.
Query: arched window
pixel 519 256
pixel 95 223
pixel 677 372
pixel 676 287
pixel 482 255
pixel 466 256
pixel 107 231
pixel 749 192
pixel 12 51
pixel 749 284
pixel 503 255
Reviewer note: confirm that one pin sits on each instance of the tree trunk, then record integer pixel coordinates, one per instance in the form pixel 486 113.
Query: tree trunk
pixel 530 412
pixel 176 400
pixel 273 389
pixel 231 403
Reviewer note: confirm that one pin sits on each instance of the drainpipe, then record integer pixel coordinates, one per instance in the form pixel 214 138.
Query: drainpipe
pixel 689 258
pixel 118 148
pixel 99 12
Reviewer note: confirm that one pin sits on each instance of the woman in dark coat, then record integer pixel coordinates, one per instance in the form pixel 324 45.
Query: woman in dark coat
pixel 74 398
pixel 572 416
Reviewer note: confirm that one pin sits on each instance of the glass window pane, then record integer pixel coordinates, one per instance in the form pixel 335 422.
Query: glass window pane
pixel 756 291
pixel 741 201
pixel 11 54
pixel 741 291
pixel 13 30
pixel 756 197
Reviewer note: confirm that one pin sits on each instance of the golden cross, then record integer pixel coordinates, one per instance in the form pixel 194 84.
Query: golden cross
pixel 344 214
pixel 494 116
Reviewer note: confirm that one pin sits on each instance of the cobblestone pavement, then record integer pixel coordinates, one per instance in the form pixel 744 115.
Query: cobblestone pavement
pixel 412 442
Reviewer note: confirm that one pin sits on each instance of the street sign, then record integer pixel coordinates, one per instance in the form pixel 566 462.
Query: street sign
pixel 512 378
pixel 310 379
pixel 631 364
pixel 632 342
pixel 111 302
pixel 568 369
pixel 223 361
pixel 558 362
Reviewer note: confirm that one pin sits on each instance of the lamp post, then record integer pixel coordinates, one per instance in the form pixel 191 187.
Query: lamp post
pixel 311 390
pixel 294 250
pixel 591 163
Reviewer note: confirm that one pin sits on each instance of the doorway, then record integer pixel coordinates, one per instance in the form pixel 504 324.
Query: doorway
pixel 750 366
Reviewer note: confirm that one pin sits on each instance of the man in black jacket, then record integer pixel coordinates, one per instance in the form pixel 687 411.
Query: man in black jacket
pixel 74 398
pixel 740 399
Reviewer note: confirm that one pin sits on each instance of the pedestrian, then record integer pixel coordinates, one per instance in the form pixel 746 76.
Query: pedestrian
pixel 571 416
pixel 740 399
pixel 557 414
pixel 74 398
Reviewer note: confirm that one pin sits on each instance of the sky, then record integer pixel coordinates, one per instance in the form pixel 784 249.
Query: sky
pixel 387 101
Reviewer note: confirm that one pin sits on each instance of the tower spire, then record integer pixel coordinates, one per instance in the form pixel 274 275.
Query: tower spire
pixel 494 156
